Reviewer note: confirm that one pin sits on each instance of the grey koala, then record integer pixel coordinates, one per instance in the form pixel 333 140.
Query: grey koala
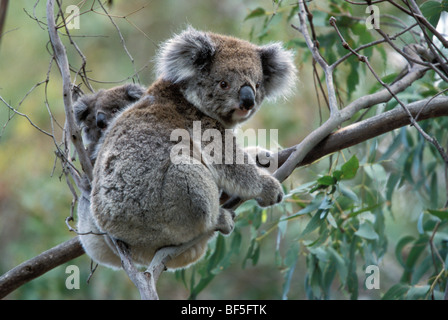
pixel 93 113
pixel 141 193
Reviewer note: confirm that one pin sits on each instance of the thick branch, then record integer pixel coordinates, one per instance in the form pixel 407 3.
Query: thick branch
pixel 39 265
pixel 370 128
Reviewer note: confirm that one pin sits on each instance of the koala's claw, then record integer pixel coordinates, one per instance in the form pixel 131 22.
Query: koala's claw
pixel 279 197
pixel 225 221
pixel 272 193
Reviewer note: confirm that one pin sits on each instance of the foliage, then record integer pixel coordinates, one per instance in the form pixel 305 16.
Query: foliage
pixel 380 203
pixel 338 220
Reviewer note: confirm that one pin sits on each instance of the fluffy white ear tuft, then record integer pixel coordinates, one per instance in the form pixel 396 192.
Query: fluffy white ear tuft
pixel 280 73
pixel 181 57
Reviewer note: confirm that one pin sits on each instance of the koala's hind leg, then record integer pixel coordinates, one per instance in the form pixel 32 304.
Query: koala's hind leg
pixel 93 240
pixel 192 251
pixel 191 200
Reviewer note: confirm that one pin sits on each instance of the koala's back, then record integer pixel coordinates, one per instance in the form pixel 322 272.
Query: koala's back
pixel 139 195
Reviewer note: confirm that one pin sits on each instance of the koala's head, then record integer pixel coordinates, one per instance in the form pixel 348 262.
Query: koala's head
pixel 224 77
pixel 94 112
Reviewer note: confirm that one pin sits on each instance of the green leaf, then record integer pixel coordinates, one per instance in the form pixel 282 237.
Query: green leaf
pixel 441 214
pixel 331 220
pixel 366 231
pixel 314 205
pixel 337 174
pixel 420 223
pixel 236 242
pixel 348 193
pixel 422 268
pixel 392 182
pixel 350 168
pixel 419 246
pixel 396 292
pixel 340 264
pixel 418 292
pixel 432 11
pixel 258 12
pixel 352 78
pixel 314 223
pixel 370 208
pixel 326 180
pixel 399 248
pixel 291 258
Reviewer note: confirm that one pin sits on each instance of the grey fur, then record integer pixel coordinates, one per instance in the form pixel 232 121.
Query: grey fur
pixel 142 197
pixel 108 104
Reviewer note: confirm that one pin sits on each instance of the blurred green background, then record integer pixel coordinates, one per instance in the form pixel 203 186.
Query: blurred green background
pixel 34 197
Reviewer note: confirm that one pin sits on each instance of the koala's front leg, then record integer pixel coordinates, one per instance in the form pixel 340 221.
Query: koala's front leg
pixel 244 179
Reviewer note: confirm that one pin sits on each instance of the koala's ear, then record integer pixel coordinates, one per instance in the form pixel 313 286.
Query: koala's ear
pixel 279 70
pixel 134 91
pixel 181 57
pixel 81 110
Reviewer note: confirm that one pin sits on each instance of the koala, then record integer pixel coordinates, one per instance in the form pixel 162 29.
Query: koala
pixel 93 112
pixel 150 193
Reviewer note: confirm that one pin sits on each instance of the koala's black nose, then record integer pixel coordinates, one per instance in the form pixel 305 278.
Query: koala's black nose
pixel 247 98
pixel 101 121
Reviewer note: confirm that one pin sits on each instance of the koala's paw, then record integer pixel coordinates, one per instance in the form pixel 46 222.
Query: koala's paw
pixel 225 221
pixel 272 192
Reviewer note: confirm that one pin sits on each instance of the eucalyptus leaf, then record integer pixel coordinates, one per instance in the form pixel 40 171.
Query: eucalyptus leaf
pixel 258 12
pixel 418 292
pixel 326 180
pixel 397 291
pixel 441 214
pixel 366 231
pixel 399 248
pixel 350 168
pixel 313 224
pixel 432 10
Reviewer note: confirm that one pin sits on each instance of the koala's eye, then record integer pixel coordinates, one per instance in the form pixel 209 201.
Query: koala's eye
pixel 114 110
pixel 224 85
pixel 257 85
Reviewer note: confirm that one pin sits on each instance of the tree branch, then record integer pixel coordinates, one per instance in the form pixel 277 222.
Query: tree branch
pixel 39 265
pixel 370 128
pixel 60 56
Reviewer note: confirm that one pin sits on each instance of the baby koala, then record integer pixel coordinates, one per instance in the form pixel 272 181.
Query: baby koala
pixel 93 113
pixel 153 188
